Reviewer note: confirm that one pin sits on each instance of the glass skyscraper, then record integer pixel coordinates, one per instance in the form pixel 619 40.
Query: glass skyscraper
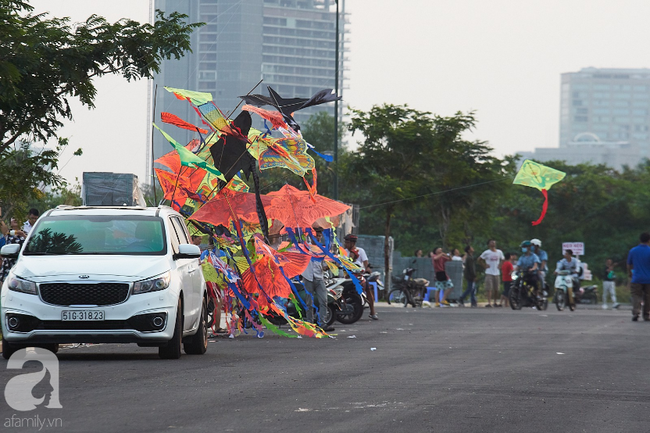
pixel 289 44
pixel 606 106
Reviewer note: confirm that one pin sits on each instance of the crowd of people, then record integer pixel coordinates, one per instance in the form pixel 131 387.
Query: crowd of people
pixel 14 234
pixel 499 267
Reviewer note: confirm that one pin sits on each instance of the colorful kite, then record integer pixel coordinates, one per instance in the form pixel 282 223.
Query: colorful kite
pixel 202 181
pixel 538 176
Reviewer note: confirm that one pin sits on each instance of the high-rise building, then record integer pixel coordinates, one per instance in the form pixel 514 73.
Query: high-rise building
pixel 604 118
pixel 610 105
pixel 288 44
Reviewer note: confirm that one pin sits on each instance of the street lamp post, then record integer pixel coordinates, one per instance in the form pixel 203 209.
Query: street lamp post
pixel 336 109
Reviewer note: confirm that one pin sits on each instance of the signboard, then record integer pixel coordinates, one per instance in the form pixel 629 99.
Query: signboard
pixel 578 248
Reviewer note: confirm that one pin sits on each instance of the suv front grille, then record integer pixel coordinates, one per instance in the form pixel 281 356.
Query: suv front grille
pixel 84 294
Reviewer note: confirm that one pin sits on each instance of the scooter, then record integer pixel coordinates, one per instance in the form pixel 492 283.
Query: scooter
pixel 563 282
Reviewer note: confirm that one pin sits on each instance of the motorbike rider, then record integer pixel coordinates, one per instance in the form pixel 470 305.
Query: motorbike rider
pixel 543 258
pixel 530 262
pixel 569 263
pixel 360 258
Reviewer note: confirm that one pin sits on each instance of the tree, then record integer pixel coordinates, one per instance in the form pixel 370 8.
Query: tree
pixel 391 161
pixel 319 131
pixel 45 62
pixel 416 166
pixel 23 174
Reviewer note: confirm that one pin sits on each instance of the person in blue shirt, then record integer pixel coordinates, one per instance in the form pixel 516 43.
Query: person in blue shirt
pixel 638 269
pixel 569 263
pixel 529 262
pixel 543 258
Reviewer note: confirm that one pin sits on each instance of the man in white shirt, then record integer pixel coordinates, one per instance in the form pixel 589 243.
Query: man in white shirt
pixel 359 257
pixel 31 220
pixel 491 260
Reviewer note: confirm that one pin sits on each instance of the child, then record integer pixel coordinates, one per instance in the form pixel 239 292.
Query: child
pixel 506 276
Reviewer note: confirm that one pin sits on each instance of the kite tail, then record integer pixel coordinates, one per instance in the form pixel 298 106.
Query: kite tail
pixel 544 208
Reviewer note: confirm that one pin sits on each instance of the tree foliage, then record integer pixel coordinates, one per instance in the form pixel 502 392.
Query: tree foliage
pixel 46 61
pixel 412 177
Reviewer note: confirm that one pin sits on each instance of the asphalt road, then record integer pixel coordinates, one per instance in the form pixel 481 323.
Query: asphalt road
pixel 424 370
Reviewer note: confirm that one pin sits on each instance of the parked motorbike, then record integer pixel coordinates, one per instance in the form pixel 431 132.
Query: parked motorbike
pixel 350 303
pixel 523 294
pixel 408 290
pixel 586 295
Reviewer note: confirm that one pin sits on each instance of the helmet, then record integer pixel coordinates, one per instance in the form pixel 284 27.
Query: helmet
pixel 536 242
pixel 525 244
pixel 351 238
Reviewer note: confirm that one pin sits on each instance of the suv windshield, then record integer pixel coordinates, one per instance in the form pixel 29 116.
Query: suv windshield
pixel 116 234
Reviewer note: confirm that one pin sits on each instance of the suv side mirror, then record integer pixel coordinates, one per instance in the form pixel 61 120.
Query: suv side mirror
pixel 10 251
pixel 187 251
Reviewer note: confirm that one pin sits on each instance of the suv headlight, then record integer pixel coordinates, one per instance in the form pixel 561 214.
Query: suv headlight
pixel 19 285
pixel 161 282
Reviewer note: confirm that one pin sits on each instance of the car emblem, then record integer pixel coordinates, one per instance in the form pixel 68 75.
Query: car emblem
pixel 84 277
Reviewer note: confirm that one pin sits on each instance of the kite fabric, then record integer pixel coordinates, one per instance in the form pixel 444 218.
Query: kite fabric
pixel 189 159
pixel 290 105
pixel 201 180
pixel 177 121
pixel 536 175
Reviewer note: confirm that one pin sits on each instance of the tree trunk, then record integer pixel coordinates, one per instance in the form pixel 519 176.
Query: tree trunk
pixel 387 270
pixel 444 227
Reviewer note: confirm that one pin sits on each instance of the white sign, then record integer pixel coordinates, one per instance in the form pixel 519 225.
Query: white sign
pixel 18 391
pixel 578 248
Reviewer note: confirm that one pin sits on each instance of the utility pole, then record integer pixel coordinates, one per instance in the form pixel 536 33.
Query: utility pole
pixel 336 110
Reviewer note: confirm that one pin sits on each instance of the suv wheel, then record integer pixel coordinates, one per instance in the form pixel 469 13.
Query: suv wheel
pixel 172 350
pixel 197 344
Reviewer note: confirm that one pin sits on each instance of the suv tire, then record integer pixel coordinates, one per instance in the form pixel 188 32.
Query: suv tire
pixel 172 350
pixel 197 344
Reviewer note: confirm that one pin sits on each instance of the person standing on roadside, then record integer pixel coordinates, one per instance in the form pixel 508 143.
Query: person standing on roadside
pixel 506 277
pixel 14 236
pixel 443 282
pixel 312 279
pixel 638 260
pixel 609 284
pixel 470 276
pixel 31 220
pixel 491 260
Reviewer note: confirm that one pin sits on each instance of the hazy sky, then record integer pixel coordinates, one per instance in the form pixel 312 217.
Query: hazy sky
pixel 501 58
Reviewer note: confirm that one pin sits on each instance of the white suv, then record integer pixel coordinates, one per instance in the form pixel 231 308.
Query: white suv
pixel 106 275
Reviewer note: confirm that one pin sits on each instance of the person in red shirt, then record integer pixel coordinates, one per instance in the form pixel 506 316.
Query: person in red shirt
pixel 443 282
pixel 506 276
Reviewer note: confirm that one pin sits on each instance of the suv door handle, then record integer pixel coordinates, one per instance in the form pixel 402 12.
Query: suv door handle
pixel 191 270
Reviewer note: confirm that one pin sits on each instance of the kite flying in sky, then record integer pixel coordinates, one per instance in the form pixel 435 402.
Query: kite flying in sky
pixel 538 176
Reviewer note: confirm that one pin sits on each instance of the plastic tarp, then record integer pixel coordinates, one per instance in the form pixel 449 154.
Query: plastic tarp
pixel 111 189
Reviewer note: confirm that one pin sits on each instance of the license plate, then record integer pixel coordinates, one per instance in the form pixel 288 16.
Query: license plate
pixel 82 315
